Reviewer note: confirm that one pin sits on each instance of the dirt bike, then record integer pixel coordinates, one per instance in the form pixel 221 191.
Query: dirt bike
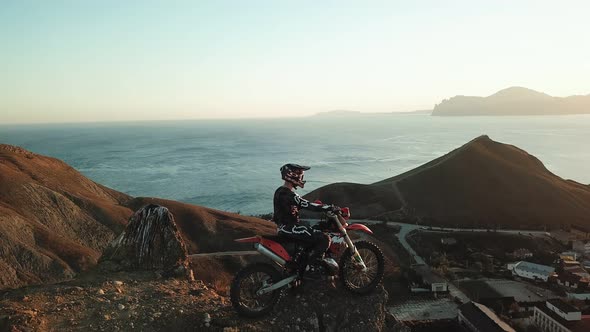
pixel 257 287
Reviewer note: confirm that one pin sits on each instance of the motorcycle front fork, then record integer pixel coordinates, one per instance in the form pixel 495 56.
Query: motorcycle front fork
pixel 357 259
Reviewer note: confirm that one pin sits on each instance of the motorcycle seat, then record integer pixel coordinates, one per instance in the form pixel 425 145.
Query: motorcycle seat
pixel 281 239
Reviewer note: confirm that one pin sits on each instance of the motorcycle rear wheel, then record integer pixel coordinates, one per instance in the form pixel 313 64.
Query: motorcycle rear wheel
pixel 353 278
pixel 244 286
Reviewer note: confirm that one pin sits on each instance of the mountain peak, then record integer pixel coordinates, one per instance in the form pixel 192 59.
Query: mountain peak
pixel 518 92
pixel 482 138
pixel 482 182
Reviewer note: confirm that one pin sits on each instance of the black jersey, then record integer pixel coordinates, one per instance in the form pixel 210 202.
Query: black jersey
pixel 287 204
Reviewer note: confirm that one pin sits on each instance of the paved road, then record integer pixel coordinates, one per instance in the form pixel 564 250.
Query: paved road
pixel 504 231
pixel 405 229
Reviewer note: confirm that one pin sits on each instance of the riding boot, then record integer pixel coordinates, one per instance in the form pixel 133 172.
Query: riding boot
pixel 315 265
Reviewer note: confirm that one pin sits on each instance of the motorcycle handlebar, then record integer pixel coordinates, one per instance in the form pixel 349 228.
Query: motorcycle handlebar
pixel 337 216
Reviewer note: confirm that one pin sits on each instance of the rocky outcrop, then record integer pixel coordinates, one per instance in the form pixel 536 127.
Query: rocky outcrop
pixel 321 309
pixel 151 241
pixel 207 230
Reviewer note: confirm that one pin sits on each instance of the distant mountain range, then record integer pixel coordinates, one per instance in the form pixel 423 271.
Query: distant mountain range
pixel 481 184
pixel 513 101
pixel 347 113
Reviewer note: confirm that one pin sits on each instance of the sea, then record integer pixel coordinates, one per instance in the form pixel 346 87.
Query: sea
pixel 233 165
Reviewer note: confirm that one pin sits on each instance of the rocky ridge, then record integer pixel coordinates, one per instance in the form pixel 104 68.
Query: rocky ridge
pixel 480 184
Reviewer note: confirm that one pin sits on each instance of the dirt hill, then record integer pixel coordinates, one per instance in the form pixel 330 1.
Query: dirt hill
pixel 54 222
pixel 513 101
pixel 483 183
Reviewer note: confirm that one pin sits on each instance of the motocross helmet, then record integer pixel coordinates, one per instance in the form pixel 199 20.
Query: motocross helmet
pixel 294 173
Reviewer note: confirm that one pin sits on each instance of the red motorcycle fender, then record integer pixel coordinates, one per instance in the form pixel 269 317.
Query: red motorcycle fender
pixel 276 247
pixel 271 245
pixel 359 227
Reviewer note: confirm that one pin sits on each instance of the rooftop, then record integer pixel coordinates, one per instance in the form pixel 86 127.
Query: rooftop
pixel 563 306
pixel 419 308
pixel 484 318
pixel 574 326
pixel 534 268
pixel 521 291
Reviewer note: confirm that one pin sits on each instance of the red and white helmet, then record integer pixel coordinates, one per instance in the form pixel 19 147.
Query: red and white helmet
pixel 294 173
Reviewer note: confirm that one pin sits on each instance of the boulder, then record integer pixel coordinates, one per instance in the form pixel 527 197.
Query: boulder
pixel 151 241
pixel 324 309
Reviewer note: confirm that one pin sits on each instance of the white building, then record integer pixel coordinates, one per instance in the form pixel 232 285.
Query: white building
pixel 522 253
pixel 559 316
pixel 531 271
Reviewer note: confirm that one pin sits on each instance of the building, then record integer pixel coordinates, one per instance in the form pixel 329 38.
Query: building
pixel 580 232
pixel 521 253
pixel 559 316
pixel 481 292
pixel 448 241
pixel 479 318
pixel 572 281
pixel 429 280
pixel 574 267
pixel 531 271
pixel 569 255
pixel 565 237
pixel 581 247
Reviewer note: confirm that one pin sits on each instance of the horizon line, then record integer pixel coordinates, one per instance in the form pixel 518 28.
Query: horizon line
pixel 202 119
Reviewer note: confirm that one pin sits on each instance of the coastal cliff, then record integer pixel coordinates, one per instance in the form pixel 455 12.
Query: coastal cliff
pixel 513 101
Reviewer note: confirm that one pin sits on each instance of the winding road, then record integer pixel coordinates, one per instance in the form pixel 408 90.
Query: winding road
pixel 405 229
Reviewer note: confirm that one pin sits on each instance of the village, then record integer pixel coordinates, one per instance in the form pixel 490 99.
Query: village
pixel 494 280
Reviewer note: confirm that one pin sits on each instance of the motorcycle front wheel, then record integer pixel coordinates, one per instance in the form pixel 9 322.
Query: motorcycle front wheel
pixel 245 285
pixel 353 277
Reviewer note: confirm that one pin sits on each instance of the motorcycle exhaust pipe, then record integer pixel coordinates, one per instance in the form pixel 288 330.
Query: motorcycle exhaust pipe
pixel 266 252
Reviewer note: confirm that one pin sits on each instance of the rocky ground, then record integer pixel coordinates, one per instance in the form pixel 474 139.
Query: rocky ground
pixel 142 301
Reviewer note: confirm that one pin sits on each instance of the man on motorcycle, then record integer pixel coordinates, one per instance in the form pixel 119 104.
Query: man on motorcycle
pixel 287 204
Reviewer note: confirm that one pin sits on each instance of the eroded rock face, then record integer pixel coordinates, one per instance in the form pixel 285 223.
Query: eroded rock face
pixel 323 309
pixel 151 241
pixel 54 222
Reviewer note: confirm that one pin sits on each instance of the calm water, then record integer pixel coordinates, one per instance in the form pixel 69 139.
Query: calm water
pixel 233 164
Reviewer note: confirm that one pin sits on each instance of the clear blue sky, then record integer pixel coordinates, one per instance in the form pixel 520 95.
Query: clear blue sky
pixel 64 61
